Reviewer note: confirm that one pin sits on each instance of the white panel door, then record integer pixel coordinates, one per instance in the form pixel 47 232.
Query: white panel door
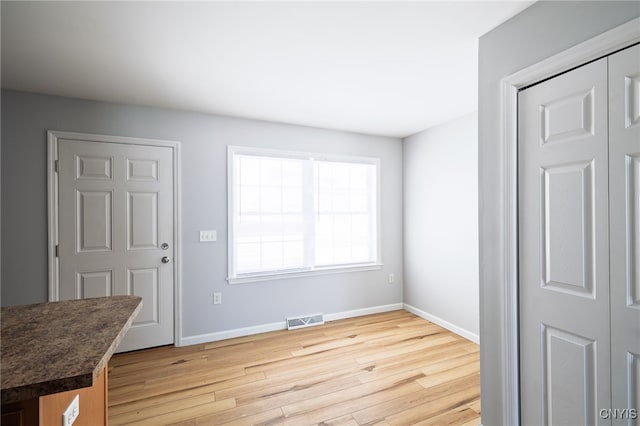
pixel 115 204
pixel 564 248
pixel 624 188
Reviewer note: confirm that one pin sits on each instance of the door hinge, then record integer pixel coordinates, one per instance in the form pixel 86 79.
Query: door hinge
pixel 55 166
pixel 57 250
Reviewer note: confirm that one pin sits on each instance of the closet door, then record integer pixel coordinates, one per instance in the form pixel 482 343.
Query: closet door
pixel 564 248
pixel 624 187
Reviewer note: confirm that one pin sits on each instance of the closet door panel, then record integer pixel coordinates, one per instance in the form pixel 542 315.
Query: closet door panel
pixel 624 195
pixel 564 248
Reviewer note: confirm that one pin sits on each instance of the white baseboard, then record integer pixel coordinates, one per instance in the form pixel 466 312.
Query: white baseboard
pixel 282 325
pixel 443 323
pixel 230 334
pixel 363 311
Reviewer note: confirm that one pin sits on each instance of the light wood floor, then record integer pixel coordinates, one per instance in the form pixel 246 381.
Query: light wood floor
pixel 384 369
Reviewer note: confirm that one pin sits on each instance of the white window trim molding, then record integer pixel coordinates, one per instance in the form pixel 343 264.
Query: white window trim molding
pixel 53 138
pixel 269 276
pixel 602 45
pixel 307 273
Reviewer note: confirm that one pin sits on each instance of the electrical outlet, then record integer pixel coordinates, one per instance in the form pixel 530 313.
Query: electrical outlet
pixel 72 412
pixel 217 298
pixel 392 278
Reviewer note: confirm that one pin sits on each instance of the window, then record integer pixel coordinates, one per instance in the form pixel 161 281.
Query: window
pixel 296 213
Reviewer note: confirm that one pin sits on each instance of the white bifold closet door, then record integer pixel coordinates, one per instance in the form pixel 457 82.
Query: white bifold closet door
pixel 624 199
pixel 579 244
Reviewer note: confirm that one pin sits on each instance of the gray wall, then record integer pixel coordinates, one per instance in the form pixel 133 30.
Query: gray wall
pixel 441 223
pixel 25 120
pixel 541 31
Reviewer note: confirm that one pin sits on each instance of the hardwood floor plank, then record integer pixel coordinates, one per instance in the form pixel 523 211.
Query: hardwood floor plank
pixel 182 414
pixel 347 420
pixel 422 402
pixel 180 402
pixel 263 418
pixel 475 406
pixel 285 399
pixel 285 385
pixel 348 404
pixel 455 417
pixel 417 360
pixel 383 369
pixel 451 373
pixel 426 412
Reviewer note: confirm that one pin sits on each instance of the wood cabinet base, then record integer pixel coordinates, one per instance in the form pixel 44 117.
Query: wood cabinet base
pixel 47 410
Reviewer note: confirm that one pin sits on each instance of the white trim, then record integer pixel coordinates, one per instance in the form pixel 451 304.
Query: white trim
pixel 53 265
pixel 364 311
pixel 443 323
pixel 307 270
pixel 599 46
pixel 233 333
pixel 301 155
pixel 305 273
pixel 281 325
pixel 53 138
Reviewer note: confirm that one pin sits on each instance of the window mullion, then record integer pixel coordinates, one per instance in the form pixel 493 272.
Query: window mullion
pixel 308 208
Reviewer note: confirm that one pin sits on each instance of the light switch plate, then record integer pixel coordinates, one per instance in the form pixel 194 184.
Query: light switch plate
pixel 72 412
pixel 208 236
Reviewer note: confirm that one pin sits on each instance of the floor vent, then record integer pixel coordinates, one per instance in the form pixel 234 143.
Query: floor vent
pixel 306 321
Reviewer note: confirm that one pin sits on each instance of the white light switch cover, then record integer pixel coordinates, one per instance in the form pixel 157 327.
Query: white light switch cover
pixel 208 236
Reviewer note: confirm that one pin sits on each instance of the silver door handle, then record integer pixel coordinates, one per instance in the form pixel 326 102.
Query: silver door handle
pixel 166 259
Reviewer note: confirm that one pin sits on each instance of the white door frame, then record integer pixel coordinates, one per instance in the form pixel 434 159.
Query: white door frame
pixel 53 138
pixel 597 47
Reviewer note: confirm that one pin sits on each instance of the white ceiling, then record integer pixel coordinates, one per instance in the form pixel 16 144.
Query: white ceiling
pixel 384 68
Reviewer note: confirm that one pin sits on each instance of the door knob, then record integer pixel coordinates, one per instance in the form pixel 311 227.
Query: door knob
pixel 166 259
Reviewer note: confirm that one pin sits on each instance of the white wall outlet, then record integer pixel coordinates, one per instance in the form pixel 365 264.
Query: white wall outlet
pixel 208 236
pixel 217 298
pixel 392 278
pixel 72 412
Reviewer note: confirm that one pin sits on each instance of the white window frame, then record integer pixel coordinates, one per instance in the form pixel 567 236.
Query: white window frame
pixel 266 276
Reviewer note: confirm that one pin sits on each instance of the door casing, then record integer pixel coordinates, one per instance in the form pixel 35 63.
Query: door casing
pixel 609 42
pixel 52 211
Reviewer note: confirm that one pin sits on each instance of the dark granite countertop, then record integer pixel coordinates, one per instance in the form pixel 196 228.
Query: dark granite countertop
pixel 54 347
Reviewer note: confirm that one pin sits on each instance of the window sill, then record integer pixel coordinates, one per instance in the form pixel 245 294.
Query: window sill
pixel 300 274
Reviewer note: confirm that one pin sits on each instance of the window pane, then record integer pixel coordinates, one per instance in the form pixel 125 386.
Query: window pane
pixel 341 228
pixel 358 176
pixel 249 171
pixel 341 175
pixel 248 257
pixel 271 200
pixel 292 173
pixel 293 227
pixel 293 254
pixel 345 216
pixel 358 200
pixel 324 229
pixel 292 200
pixel 324 254
pixel 340 200
pixel 359 253
pixel 272 255
pixel 265 238
pixel 249 199
pixel 270 172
